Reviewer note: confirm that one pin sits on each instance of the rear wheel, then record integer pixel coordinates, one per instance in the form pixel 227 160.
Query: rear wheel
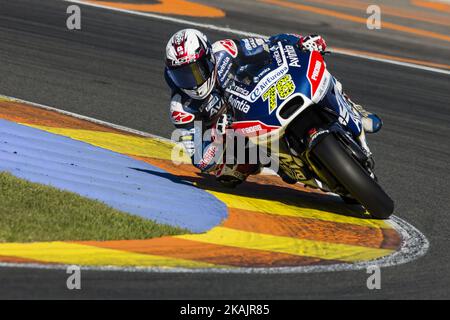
pixel 353 177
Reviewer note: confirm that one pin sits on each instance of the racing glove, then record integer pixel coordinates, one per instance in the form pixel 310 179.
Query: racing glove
pixel 313 42
pixel 207 156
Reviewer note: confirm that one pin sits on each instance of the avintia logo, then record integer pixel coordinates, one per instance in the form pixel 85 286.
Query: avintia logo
pixel 240 105
pixel 292 56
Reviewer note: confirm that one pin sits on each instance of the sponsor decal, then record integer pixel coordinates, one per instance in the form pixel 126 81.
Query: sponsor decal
pixel 252 128
pixel 259 41
pixel 181 117
pixel 291 168
pixel 240 90
pixel 250 44
pixel 323 87
pixel 208 157
pixel 278 58
pixel 238 104
pixel 316 69
pixel 224 68
pixel 214 104
pixel 263 73
pixel 292 56
pixel 267 82
pixel 230 47
pixel 315 134
pixel 269 79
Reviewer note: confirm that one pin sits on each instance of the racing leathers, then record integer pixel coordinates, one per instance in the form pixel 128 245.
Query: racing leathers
pixel 193 117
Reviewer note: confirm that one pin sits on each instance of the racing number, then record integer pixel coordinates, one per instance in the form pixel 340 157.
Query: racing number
pixel 284 88
pixel 271 94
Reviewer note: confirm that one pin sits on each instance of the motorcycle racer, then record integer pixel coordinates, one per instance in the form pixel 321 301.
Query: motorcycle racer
pixel 199 73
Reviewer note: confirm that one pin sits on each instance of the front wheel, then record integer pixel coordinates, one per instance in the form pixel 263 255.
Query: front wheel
pixel 353 177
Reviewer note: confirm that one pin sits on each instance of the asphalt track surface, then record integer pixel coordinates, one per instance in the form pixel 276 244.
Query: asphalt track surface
pixel 112 70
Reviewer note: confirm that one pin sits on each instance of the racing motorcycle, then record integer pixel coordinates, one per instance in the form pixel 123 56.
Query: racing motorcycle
pixel 291 97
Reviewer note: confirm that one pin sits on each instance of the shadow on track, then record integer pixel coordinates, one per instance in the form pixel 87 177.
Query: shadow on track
pixel 271 188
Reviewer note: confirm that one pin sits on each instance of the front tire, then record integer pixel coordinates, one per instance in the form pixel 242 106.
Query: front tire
pixel 353 177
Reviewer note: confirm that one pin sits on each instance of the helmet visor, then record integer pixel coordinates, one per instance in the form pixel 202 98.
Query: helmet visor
pixel 194 74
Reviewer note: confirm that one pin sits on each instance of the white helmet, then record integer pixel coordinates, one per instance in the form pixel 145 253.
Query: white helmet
pixel 190 63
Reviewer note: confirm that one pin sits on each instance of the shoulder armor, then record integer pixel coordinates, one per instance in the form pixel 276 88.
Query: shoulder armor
pixel 227 45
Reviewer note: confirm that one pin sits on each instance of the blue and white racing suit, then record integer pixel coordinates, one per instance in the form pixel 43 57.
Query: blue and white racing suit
pixel 231 56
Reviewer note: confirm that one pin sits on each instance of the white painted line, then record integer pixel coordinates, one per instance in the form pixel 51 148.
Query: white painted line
pixel 251 34
pixel 399 63
pixel 93 120
pixel 171 19
pixel 414 243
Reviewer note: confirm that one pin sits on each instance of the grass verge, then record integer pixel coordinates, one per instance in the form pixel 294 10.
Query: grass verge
pixel 35 212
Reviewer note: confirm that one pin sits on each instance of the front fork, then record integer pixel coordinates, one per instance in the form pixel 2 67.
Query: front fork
pixel 352 147
pixel 335 102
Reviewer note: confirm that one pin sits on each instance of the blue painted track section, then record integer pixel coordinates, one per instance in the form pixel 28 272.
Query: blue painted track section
pixel 121 182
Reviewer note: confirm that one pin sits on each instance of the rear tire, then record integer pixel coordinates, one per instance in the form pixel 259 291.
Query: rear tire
pixel 353 177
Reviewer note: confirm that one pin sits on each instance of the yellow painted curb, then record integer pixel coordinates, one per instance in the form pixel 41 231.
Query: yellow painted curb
pixel 124 144
pixel 298 247
pixel 283 209
pixel 72 253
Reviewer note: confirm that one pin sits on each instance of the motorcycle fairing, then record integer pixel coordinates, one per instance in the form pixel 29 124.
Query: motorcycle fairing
pixel 335 101
pixel 311 81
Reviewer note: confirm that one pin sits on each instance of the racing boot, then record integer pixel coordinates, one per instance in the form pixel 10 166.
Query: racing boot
pixel 370 121
pixel 231 176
